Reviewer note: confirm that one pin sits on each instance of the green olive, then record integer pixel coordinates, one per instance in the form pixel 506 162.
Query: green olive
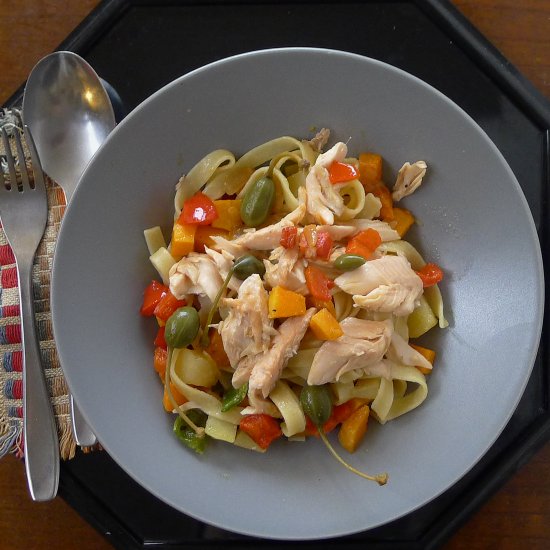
pixel 316 402
pixel 248 265
pixel 349 262
pixel 182 327
pixel 257 202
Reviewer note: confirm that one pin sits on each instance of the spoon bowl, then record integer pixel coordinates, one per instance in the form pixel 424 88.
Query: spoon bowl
pixel 69 113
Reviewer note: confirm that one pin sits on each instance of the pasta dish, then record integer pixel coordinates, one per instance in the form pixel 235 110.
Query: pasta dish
pixel 288 301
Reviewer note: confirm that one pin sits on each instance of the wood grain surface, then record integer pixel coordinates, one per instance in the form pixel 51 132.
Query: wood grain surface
pixel 516 517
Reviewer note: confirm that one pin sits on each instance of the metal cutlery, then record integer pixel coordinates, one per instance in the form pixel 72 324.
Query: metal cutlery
pixel 23 213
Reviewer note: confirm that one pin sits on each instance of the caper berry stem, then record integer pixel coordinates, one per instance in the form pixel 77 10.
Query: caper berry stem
pixel 381 479
pixel 205 339
pixel 317 404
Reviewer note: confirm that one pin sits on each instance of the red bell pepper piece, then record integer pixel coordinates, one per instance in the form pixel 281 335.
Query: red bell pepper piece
pixel 152 295
pixel 262 428
pixel 167 305
pixel 289 236
pixel 160 341
pixel 339 414
pixel 339 172
pixel 198 210
pixel 364 243
pixel 323 245
pixel 430 274
pixel 318 283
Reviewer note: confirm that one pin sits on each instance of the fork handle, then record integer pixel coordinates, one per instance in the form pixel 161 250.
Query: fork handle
pixel 39 428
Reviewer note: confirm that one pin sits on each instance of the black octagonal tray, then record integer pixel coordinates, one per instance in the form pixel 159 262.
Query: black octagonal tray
pixel 140 46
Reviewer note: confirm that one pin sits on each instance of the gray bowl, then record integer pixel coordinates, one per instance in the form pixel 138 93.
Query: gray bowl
pixel 475 222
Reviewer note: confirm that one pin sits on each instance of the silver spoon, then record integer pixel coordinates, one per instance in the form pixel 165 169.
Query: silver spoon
pixel 69 114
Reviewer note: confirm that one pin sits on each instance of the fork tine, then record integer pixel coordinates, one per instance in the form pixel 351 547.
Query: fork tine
pixel 9 158
pixel 35 159
pixel 22 161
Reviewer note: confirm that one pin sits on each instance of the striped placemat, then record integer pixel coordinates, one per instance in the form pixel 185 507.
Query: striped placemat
pixel 11 376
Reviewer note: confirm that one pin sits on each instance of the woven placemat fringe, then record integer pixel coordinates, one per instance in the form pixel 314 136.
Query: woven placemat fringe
pixel 8 437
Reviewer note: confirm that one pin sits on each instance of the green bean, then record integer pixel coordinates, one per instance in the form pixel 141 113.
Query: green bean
pixel 248 265
pixel 182 327
pixel 257 202
pixel 234 397
pixel 349 262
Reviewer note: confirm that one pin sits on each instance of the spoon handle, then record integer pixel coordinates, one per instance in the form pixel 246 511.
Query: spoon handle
pixel 83 434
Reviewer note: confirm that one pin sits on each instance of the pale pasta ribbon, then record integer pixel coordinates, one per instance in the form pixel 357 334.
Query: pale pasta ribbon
pixel 289 406
pixel 200 174
pixel 202 400
pixel 389 403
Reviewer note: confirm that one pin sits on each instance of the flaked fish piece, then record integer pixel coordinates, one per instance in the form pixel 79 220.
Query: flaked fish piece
pixel 246 329
pixel 267 369
pixel 362 346
pixel 223 244
pixel 224 262
pixel 320 139
pixel 195 274
pixel 285 268
pixel 392 298
pixel 386 284
pixel 323 200
pixel 402 353
pixel 338 232
pixel 409 178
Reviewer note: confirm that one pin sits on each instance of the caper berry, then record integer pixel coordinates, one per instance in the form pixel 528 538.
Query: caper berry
pixel 248 265
pixel 257 202
pixel 182 327
pixel 316 402
pixel 349 262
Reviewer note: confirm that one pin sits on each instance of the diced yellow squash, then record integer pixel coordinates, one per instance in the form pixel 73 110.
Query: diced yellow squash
pixel 354 428
pixel 320 304
pixel 421 320
pixel 285 303
pixel 229 214
pixel 370 167
pixel 204 234
pixel 429 354
pixel 403 220
pixel 325 326
pixel 183 239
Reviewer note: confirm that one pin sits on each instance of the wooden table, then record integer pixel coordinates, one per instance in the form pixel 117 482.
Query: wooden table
pixel 518 516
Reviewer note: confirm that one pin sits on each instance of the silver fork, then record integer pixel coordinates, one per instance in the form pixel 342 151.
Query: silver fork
pixel 24 212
